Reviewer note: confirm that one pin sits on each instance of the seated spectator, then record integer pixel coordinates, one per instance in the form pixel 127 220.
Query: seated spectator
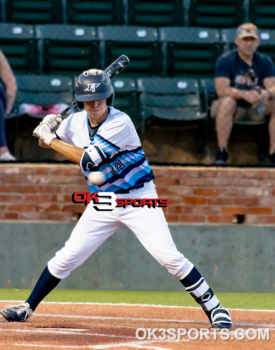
pixel 8 88
pixel 245 85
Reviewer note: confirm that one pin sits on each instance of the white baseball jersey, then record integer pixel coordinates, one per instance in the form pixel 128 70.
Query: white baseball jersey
pixel 115 150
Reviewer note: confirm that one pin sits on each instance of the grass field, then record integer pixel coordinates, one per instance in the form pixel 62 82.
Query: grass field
pixel 263 301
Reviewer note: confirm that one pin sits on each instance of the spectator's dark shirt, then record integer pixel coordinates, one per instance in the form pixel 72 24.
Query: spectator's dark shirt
pixel 230 65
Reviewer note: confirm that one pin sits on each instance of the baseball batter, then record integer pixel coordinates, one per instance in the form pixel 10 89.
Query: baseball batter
pixel 102 138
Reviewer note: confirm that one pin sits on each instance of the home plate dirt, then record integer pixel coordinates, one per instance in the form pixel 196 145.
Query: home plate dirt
pixel 56 326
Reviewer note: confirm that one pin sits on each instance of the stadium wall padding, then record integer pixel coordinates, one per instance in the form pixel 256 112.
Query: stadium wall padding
pixel 232 258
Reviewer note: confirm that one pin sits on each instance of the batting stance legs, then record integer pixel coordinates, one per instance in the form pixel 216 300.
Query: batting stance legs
pixel 150 227
pixel 95 227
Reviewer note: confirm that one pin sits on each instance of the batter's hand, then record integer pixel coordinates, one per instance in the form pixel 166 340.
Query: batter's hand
pixel 53 121
pixel 43 132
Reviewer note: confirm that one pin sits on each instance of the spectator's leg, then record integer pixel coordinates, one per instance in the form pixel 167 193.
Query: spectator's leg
pixel 271 129
pixel 3 140
pixel 270 111
pixel 5 154
pixel 224 120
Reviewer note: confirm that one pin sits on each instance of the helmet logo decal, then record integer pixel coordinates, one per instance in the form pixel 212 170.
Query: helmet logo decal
pixel 91 87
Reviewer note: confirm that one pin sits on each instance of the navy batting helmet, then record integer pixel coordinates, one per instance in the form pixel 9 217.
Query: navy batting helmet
pixel 93 85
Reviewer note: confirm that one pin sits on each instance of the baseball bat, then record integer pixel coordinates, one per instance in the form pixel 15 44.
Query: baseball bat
pixel 112 70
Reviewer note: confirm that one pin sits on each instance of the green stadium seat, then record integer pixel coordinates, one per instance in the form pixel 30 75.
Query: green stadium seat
pixel 140 44
pixel 34 11
pixel 126 98
pixel 216 13
pixel 208 85
pixel 172 99
pixel 267 45
pixel 155 13
pixel 94 12
pixel 18 44
pixel 228 38
pixel 43 90
pixel 262 12
pixel 190 52
pixel 66 49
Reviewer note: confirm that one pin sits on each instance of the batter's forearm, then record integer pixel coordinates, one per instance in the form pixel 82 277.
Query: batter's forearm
pixel 43 145
pixel 73 153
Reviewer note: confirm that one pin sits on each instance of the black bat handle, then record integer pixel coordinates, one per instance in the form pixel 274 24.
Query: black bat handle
pixel 117 66
pixel 66 110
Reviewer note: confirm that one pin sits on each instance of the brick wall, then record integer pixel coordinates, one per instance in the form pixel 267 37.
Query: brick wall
pixel 196 194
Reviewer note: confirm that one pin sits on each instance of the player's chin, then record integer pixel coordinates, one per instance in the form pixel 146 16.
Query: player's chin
pixel 98 112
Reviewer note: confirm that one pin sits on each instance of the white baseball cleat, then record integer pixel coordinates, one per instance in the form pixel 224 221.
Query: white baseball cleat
pixel 19 313
pixel 220 318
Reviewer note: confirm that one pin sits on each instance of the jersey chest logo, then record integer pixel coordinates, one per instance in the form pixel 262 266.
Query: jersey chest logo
pixel 91 87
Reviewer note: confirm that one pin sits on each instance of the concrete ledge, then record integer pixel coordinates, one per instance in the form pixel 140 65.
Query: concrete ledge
pixel 232 258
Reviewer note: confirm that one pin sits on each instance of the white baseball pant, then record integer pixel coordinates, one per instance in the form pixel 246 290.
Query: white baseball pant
pixel 94 227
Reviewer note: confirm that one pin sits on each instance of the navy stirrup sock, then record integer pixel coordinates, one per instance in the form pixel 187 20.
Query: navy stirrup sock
pixel 196 286
pixel 45 284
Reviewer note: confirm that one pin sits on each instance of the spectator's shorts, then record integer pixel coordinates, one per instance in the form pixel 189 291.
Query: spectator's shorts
pixel 241 114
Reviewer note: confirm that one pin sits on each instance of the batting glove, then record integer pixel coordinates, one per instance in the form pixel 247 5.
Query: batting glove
pixel 43 132
pixel 53 121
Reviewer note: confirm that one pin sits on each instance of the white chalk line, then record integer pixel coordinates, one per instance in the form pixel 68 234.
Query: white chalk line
pixel 149 320
pixel 144 305
pixel 68 329
pixel 138 344
pixel 63 332
pixel 120 326
pixel 107 346
pixel 146 319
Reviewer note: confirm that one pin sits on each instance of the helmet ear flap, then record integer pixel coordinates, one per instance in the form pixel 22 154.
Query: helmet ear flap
pixel 110 99
pixel 80 105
